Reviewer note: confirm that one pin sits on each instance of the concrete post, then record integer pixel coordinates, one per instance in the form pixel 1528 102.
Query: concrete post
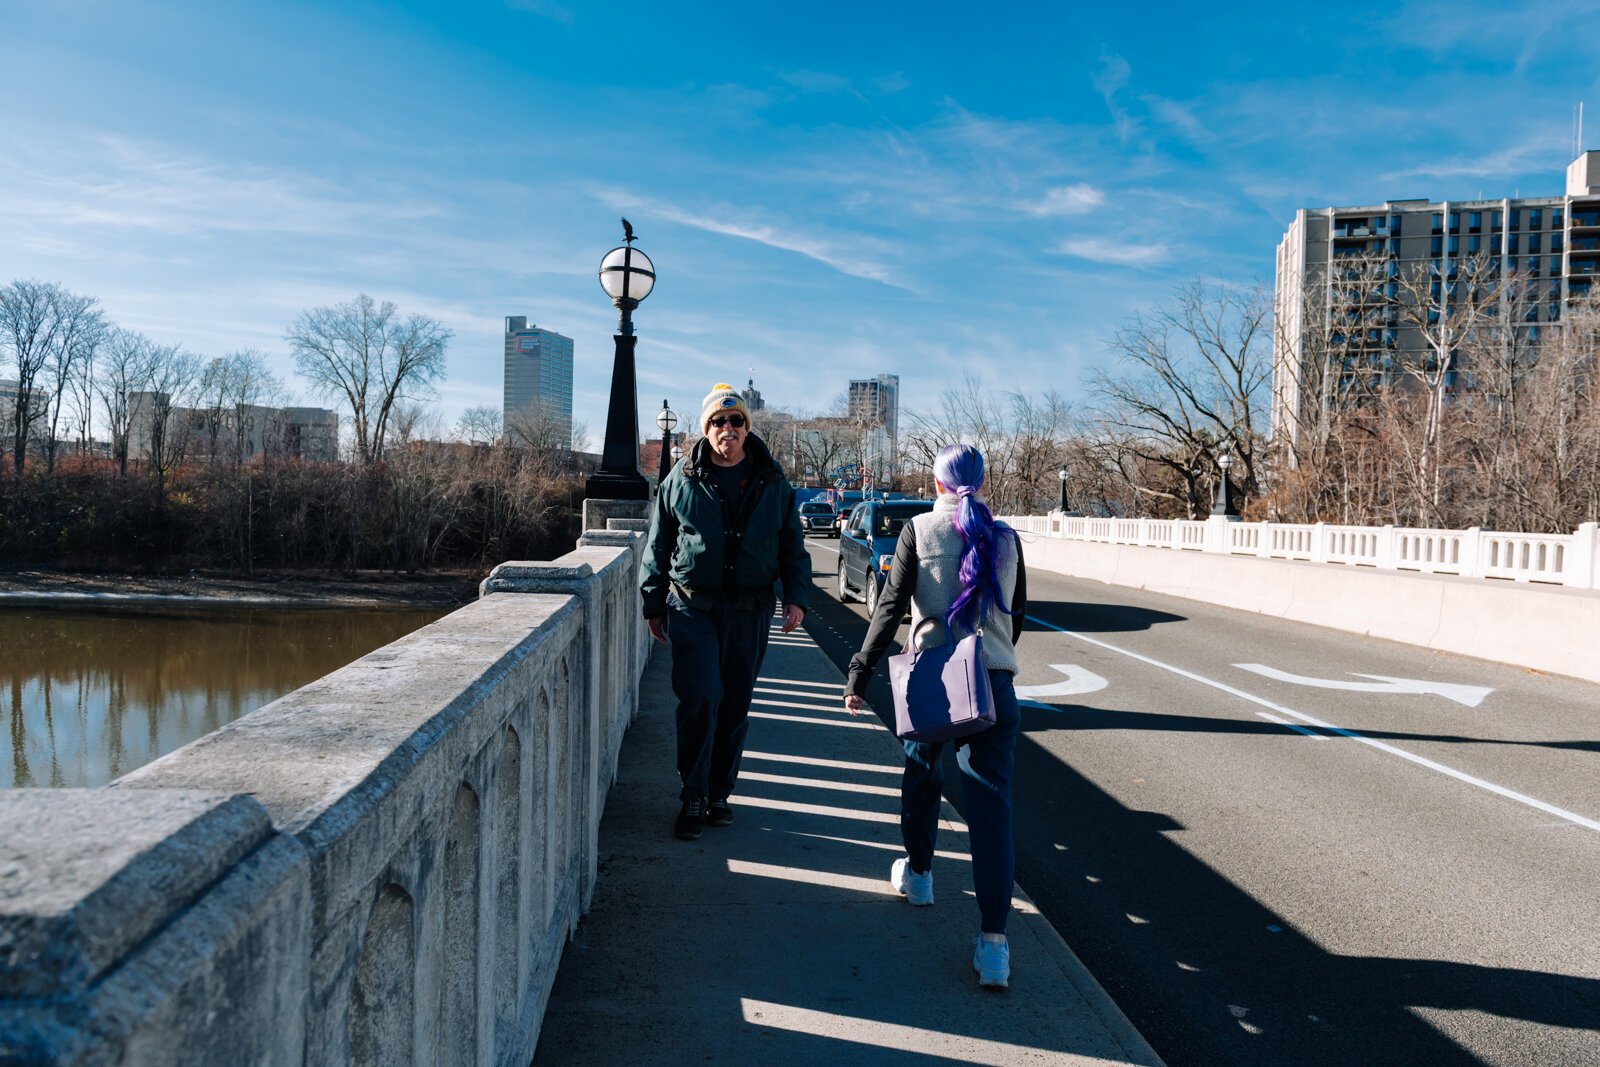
pixel 1388 554
pixel 1581 569
pixel 1319 543
pixel 1471 552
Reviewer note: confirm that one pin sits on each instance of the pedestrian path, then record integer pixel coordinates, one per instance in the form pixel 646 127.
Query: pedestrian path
pixel 778 940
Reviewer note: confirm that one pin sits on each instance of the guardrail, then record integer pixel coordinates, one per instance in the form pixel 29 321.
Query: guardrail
pixel 382 867
pixel 1572 560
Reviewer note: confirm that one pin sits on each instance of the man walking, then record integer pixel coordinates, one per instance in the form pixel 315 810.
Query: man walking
pixel 725 529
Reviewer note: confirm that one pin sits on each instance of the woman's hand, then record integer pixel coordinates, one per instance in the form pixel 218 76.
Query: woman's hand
pixel 853 704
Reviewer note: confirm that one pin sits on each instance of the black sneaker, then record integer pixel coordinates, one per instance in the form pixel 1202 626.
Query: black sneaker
pixel 719 814
pixel 691 819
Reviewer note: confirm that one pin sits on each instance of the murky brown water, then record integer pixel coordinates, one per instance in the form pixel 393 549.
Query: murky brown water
pixel 90 693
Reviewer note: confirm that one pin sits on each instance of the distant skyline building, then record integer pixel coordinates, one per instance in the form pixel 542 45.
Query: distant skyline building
pixel 538 378
pixel 1340 271
pixel 752 397
pixel 874 405
pixel 244 432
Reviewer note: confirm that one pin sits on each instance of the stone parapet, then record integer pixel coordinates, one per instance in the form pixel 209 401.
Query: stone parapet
pixel 381 867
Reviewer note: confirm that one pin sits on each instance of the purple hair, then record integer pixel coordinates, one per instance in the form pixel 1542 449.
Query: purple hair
pixel 959 468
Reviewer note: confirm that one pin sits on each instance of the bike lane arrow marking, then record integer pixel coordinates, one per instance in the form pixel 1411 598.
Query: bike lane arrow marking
pixel 1078 681
pixel 1466 695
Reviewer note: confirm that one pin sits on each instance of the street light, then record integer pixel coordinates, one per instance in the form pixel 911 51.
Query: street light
pixel 1222 507
pixel 666 418
pixel 677 453
pixel 627 276
pixel 1063 475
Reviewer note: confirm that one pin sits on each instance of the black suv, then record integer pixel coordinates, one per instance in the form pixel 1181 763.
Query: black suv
pixel 818 516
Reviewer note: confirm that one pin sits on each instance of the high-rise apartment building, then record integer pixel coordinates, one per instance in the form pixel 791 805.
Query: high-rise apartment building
pixel 874 404
pixel 538 384
pixel 1358 287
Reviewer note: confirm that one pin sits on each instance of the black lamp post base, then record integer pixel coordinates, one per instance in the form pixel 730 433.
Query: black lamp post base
pixel 607 485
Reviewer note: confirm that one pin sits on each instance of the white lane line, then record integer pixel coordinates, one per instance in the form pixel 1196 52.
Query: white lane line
pixel 826 548
pixel 1286 724
pixel 1421 761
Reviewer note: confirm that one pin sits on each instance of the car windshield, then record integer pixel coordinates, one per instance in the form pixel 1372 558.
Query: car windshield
pixel 816 509
pixel 890 520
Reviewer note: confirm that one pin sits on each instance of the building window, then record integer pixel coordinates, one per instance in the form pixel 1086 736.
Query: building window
pixel 1557 218
pixel 1455 244
pixel 1436 246
pixel 1535 218
pixel 1513 243
pixel 1533 244
pixel 1455 220
pixel 1394 225
pixel 1555 264
pixel 1516 218
pixel 1495 220
pixel 1474 244
pixel 1438 222
pixel 1474 221
pixel 1555 242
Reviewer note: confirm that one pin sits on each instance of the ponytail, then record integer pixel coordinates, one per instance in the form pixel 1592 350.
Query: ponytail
pixel 959 468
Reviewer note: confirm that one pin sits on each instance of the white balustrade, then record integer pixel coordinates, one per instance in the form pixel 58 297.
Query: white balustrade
pixel 1572 559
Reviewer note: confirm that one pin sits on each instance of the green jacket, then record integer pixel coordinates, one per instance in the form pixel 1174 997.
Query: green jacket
pixel 690 537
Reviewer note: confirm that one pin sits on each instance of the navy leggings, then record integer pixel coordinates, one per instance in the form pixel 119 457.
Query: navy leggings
pixel 987 760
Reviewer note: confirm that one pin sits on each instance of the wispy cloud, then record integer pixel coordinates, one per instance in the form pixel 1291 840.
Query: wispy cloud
pixel 835 252
pixel 1109 80
pixel 1068 200
pixel 547 8
pixel 1107 250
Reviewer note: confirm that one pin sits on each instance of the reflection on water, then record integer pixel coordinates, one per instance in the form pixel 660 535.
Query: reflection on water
pixel 90 693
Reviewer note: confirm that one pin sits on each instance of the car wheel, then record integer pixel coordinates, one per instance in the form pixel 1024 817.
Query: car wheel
pixel 872 596
pixel 844 586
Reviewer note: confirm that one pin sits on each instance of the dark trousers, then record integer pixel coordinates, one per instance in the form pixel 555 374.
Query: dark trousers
pixel 716 656
pixel 986 760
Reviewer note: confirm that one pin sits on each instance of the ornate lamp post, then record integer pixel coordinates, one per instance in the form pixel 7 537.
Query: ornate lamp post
pixel 1063 475
pixel 1222 507
pixel 666 419
pixel 627 276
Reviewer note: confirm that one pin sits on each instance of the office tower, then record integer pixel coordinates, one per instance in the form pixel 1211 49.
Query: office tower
pixel 538 383
pixel 1344 272
pixel 874 404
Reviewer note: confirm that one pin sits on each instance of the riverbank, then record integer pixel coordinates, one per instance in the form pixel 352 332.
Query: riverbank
pixel 367 588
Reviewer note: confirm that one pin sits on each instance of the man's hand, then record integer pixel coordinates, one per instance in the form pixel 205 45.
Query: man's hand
pixel 853 704
pixel 792 614
pixel 658 628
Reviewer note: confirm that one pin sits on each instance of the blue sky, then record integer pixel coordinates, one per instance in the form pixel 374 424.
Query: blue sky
pixel 828 190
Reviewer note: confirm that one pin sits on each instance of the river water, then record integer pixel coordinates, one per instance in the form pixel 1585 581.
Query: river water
pixel 88 693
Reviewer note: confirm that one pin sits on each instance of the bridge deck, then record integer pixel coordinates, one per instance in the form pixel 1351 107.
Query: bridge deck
pixel 778 939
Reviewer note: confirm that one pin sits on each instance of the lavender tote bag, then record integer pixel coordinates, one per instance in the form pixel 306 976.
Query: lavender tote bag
pixel 941 693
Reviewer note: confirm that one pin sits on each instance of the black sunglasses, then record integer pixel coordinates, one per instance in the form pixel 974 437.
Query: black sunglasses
pixel 736 421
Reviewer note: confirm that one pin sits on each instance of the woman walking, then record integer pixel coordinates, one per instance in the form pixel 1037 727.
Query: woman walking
pixel 957 564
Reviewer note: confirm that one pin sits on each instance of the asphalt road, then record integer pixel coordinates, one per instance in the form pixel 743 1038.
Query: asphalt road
pixel 1261 869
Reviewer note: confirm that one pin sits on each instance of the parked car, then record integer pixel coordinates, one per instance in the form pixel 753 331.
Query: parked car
pixel 866 546
pixel 818 516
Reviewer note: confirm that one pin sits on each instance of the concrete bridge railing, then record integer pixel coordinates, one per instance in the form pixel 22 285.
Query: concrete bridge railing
pixel 380 868
pixel 1571 559
pixel 1422 587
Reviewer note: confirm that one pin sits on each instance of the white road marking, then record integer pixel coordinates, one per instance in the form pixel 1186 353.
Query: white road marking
pixel 1078 681
pixel 1421 761
pixel 1467 695
pixel 1291 726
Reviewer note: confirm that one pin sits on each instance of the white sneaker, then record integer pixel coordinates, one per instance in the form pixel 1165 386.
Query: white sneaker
pixel 992 961
pixel 916 888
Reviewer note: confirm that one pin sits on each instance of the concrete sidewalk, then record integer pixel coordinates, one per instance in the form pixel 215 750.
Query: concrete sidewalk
pixel 778 940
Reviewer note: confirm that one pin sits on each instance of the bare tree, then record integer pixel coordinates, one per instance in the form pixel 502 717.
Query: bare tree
pixel 29 327
pixel 123 371
pixel 170 377
pixel 81 330
pixel 481 424
pixel 363 353
pixel 1189 387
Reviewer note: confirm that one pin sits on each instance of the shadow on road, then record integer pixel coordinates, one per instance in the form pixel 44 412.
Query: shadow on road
pixel 1206 972
pixel 1092 618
